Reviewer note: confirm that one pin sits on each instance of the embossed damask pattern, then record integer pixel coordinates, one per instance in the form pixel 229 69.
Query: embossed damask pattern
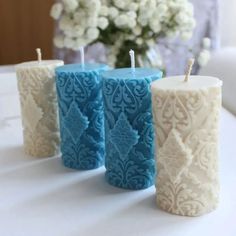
pixel 81 118
pixel 186 125
pixel 38 101
pixel 129 157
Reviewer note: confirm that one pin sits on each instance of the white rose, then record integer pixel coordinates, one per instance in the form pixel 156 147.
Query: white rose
pixel 69 42
pixel 92 33
pixel 93 6
pixel 56 11
pixel 102 23
pixel 132 23
pixel 203 57
pixel 130 37
pixel 120 3
pixel 139 41
pixel 172 33
pixel 151 42
pixel 133 6
pixel 161 9
pixel 111 59
pixel 121 20
pixel 70 5
pixel 78 15
pixel 79 31
pixel 59 41
pixel 181 18
pixel 206 43
pixel 131 14
pixel 186 35
pixel 69 33
pixel 190 23
pixel 104 11
pixel 188 7
pixel 79 43
pixel 113 12
pixel 143 20
pixel 155 26
pixel 137 30
pixel 92 22
pixel 65 23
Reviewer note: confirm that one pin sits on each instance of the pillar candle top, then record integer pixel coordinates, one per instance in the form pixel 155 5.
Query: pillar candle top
pixel 194 83
pixel 127 73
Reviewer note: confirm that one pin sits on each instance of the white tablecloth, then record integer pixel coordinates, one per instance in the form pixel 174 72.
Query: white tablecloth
pixel 40 197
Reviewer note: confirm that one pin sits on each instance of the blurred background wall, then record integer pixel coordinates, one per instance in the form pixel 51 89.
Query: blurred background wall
pixel 24 26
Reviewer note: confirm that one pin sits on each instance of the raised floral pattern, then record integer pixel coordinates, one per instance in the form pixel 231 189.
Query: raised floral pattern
pixel 74 116
pixel 174 156
pixel 186 126
pixel 81 119
pixel 38 100
pixel 32 113
pixel 128 104
pixel 123 136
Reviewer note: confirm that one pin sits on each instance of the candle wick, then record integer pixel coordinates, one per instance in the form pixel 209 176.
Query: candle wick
pixel 189 69
pixel 82 56
pixel 39 54
pixel 132 59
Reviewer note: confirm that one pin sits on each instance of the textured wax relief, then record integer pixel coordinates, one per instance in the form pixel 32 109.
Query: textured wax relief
pixel 38 101
pixel 129 133
pixel 186 125
pixel 81 115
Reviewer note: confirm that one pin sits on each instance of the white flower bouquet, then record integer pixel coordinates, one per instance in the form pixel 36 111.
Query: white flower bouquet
pixel 121 24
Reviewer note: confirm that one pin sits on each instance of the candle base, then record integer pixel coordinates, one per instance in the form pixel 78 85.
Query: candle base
pixel 78 164
pixel 135 185
pixel 176 211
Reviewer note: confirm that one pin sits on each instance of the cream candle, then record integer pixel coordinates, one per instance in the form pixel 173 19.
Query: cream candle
pixel 186 113
pixel 36 85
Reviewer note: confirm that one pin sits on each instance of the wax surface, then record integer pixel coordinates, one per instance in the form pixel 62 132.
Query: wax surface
pixel 36 64
pixel 194 83
pixel 81 115
pixel 186 118
pixel 129 135
pixel 36 85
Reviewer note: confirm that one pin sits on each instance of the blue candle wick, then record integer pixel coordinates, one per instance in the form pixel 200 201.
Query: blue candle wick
pixel 82 57
pixel 132 59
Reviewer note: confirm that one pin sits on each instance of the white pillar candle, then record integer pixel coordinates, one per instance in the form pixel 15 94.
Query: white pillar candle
pixel 36 85
pixel 186 116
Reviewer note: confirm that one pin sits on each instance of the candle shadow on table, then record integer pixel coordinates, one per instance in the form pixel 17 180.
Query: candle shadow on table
pixel 44 179
pixel 6 122
pixel 137 211
pixel 81 188
pixel 140 216
pixel 14 158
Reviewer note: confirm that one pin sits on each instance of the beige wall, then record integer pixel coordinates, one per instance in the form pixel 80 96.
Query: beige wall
pixel 24 25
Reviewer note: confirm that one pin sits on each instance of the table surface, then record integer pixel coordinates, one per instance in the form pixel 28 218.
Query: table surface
pixel 41 197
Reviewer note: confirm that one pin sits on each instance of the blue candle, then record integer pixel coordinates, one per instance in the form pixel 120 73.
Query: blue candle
pixel 81 115
pixel 129 135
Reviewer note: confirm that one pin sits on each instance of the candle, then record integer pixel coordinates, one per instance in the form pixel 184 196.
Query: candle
pixel 81 114
pixel 36 85
pixel 129 158
pixel 186 113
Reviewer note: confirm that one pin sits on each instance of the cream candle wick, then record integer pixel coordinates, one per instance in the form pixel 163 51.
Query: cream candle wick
pixel 132 59
pixel 189 69
pixel 82 56
pixel 39 54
